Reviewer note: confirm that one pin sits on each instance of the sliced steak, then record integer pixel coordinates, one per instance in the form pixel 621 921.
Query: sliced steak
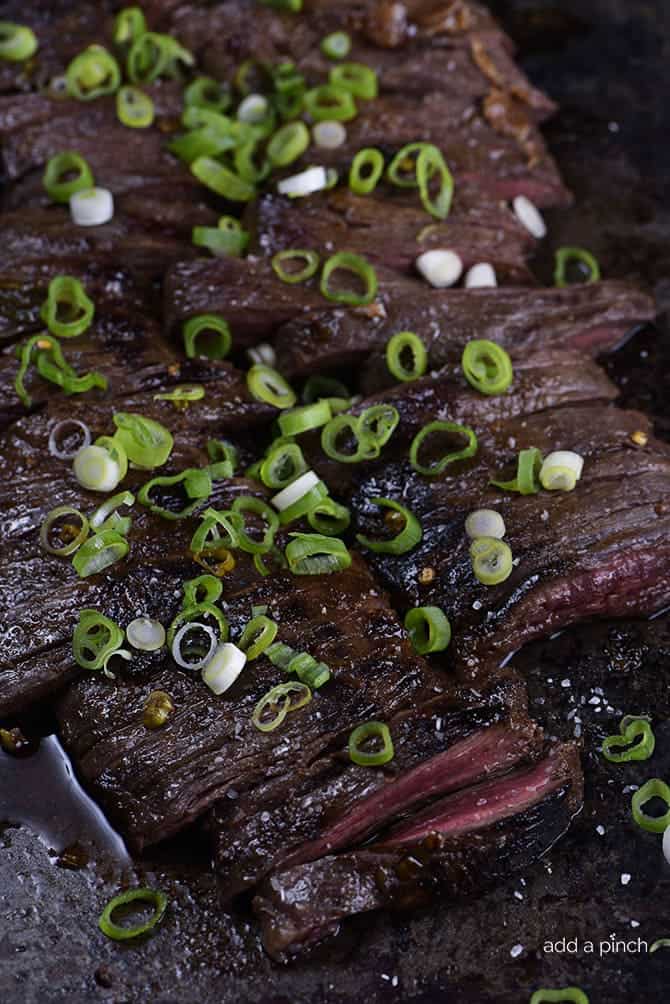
pixel 594 318
pixel 455 848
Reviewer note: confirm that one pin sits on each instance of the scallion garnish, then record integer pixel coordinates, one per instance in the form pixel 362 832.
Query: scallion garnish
pixel 146 442
pixel 329 517
pixel 48 357
pixel 207 335
pixel 487 367
pixel 568 995
pixel 209 537
pixel 153 55
pixel 358 79
pixel 196 484
pixel 100 551
pixel 244 504
pixel 202 589
pixel 188 646
pixel 310 258
pixel 485 523
pixel 378 423
pixel 402 169
pixel 61 434
pixel 288 143
pixel 654 788
pixel 267 385
pixel 129 24
pixel 430 165
pixel 316 554
pixel 146 635
pixel 366 169
pixel 259 633
pixel 92 73
pixel 134 108
pixel 527 480
pixel 569 256
pixel 65 174
pixel 183 394
pixel 117 932
pixel 274 706
pixel 106 516
pixel 428 629
pixel 561 471
pixel 205 92
pixel 95 639
pixel 318 386
pixel 307 416
pixel 631 729
pixel 308 670
pixel 491 560
pixel 222 180
pixel 91 207
pixel 283 464
pixel 280 655
pixel 345 429
pixel 435 428
pixel 409 530
pixel 398 348
pixel 17 42
pixel 96 469
pixel 67 310
pixel 70 526
pixel 300 497
pixel 662 942
pixel 330 103
pixel 377 734
pixel 337 45
pixel 346 261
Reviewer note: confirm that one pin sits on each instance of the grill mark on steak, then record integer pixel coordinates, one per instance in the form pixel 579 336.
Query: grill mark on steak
pixel 527 812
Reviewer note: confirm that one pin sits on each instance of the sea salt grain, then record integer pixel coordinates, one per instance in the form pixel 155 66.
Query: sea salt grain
pixel 516 951
pixel 625 878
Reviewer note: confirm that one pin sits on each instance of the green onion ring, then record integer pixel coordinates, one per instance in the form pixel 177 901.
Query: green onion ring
pixel 569 995
pixel 118 933
pixel 134 108
pixel 400 344
pixel 100 551
pixel 205 92
pixel 220 451
pixel 305 417
pixel 153 55
pixel 66 294
pixel 267 385
pixel 92 73
pixel 56 514
pixel 329 517
pixel 428 628
pixel 279 701
pixel 248 503
pixel 365 448
pixel 283 464
pixel 430 163
pixel 147 443
pixel 201 589
pixel 630 730
pixel 277 557
pixel 439 466
pixel 221 241
pixel 316 554
pixel 222 180
pixel 363 734
pixel 208 536
pixel 491 560
pixel 566 255
pixel 310 258
pixel 487 367
pixel 317 386
pixel 116 451
pixel 183 393
pixel 58 186
pixel 527 481
pixel 308 670
pixel 187 615
pixel 218 339
pixel 337 45
pixel 197 487
pixel 358 79
pixel 17 42
pixel 654 788
pixel 330 103
pixel 404 541
pixel 366 169
pixel 346 261
pixel 399 172
pixel 259 633
pixel 106 517
pixel 378 423
pixel 95 638
pixel 288 143
pixel 129 24
pixel 304 505
pixel 660 943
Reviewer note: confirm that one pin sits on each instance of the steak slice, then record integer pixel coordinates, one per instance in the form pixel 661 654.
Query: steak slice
pixel 153 784
pixel 456 847
pixel 594 318
pixel 448 743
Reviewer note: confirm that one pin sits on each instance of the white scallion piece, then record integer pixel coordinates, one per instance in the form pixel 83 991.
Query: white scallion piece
pixel 314 179
pixel 529 216
pixel 666 844
pixel 561 471
pixel 180 657
pixel 287 496
pixel 481 276
pixel 91 207
pixel 146 634
pixel 485 523
pixel 60 432
pixel 263 354
pixel 440 268
pixel 329 135
pixel 224 667
pixel 252 109
pixel 95 469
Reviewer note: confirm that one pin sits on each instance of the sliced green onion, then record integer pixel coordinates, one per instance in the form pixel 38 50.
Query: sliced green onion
pixel 219 451
pixel 71 536
pixel 205 92
pixel 329 517
pixel 361 738
pixel 222 180
pixel 283 464
pixel 337 45
pixel 153 55
pixel 197 485
pixel 183 394
pixel 364 447
pixel 220 241
pixel 223 668
pixel 561 471
pixel 378 423
pixel 408 536
pixel 118 932
pixel 318 386
pixel 288 143
pixel 17 42
pixel 567 256
pixel 134 108
pixel 487 367
pixel 202 589
pixel 186 646
pixel 57 178
pixel 428 628
pixel 298 186
pixel 527 477
pixel 207 335
pixel 204 141
pixel 96 469
pixel 631 729
pixel 568 995
pixel 249 504
pixel 95 638
pixel 106 517
pixel 308 670
pixel 247 165
pixel 267 385
pixel 116 452
pixel 52 366
pixel 208 535
pixel 147 443
pixel 346 261
pixel 315 554
pixel 280 655
pixel 401 345
pixel 310 258
pixel 129 24
pixel 430 165
pixel 491 560
pixel 60 437
pixel 307 416
pixel 258 635
pixel 366 170
pixel 660 943
pixel 307 492
pixel 92 73
pixel 67 310
pixel 655 788
pixel 100 551
pixel 485 523
pixel 145 634
pixel 432 428
pixel 358 79
pixel 402 171
pixel 278 702
pixel 330 103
